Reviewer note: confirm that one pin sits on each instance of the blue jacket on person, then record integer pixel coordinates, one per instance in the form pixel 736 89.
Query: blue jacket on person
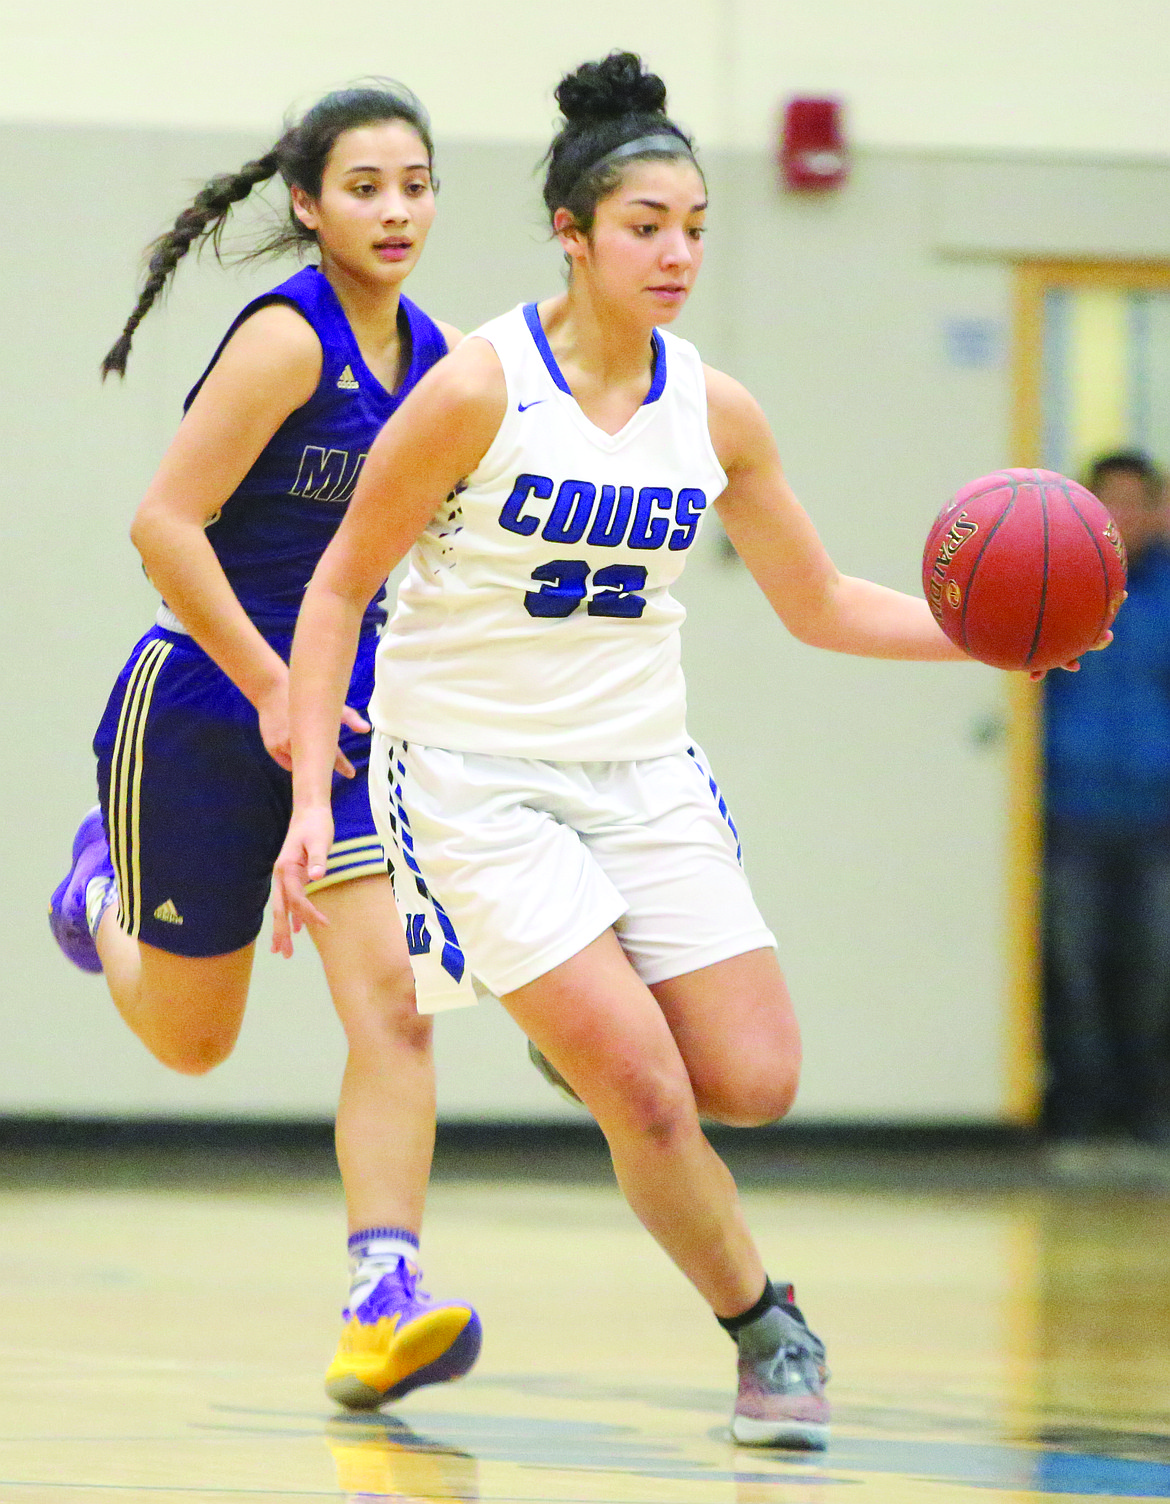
pixel 1107 727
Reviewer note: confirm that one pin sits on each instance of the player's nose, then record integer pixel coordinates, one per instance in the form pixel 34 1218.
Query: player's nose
pixel 676 249
pixel 395 209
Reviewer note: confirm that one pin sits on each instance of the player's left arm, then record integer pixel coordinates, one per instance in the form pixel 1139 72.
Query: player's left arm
pixel 775 538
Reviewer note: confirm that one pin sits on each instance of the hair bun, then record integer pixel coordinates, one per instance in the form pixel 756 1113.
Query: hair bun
pixel 618 85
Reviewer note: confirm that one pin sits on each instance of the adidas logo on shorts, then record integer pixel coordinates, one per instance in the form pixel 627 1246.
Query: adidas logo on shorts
pixel 168 913
pixel 347 381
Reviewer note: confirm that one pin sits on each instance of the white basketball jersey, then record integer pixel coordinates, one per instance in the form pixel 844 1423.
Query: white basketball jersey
pixel 536 619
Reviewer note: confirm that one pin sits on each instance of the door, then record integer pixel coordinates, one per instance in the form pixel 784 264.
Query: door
pixel 1092 374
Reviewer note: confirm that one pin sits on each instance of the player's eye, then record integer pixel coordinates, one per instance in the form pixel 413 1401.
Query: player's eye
pixel 363 190
pixel 644 232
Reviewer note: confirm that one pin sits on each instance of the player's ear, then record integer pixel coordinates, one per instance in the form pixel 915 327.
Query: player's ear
pixel 572 237
pixel 304 208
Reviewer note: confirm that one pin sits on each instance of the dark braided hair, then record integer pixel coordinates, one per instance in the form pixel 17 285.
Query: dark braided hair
pixel 606 105
pixel 300 157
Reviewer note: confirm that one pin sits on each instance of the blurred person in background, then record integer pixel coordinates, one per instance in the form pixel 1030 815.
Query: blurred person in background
pixel 1107 856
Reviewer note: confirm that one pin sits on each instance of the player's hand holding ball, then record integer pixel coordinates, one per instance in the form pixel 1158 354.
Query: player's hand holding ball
pixel 1025 569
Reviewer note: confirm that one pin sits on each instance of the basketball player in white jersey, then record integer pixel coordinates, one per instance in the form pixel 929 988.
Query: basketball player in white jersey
pixel 556 832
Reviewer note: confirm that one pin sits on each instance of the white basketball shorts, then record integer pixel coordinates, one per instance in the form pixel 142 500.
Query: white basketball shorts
pixel 504 867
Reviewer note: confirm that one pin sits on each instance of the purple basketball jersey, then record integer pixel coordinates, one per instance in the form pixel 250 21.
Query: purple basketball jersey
pixel 279 520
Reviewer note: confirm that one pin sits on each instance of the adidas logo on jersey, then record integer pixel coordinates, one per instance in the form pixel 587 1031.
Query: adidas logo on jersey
pixel 347 381
pixel 168 913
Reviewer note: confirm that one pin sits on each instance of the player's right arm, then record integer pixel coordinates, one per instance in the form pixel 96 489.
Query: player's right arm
pixel 437 437
pixel 775 538
pixel 269 367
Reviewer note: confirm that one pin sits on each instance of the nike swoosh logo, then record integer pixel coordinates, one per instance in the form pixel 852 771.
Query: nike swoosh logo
pixel 523 407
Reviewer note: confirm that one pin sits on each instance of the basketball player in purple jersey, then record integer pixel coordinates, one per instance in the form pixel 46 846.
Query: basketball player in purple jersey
pixel 170 876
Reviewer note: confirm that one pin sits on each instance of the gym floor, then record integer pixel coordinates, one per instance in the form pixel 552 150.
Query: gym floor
pixel 997 1329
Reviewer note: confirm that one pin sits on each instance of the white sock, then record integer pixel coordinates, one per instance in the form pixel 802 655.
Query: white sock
pixel 373 1253
pixel 100 892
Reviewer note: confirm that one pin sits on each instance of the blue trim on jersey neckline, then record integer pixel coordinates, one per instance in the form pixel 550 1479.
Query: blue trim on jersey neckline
pixel 536 329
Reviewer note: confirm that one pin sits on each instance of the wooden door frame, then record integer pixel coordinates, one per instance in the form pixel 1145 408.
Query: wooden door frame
pixel 1024 1063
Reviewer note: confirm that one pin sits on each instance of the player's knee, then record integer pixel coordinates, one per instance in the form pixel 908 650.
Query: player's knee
pixel 401 1029
pixel 197 1054
pixel 751 1098
pixel 658 1110
pixel 191 1009
pixel 384 1014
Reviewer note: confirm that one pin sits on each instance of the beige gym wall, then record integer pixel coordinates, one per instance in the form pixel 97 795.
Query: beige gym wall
pixel 1033 74
pixel 870 797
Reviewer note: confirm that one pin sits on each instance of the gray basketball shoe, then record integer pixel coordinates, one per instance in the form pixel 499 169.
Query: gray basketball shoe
pixel 782 1376
pixel 553 1076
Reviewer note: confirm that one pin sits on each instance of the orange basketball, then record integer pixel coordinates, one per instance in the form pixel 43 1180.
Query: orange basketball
pixel 1024 569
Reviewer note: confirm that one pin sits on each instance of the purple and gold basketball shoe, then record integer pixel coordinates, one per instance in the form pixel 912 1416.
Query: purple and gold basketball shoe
pixel 399 1339
pixel 782 1376
pixel 67 918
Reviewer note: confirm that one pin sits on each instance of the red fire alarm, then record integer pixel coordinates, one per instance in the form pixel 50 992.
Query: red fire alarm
pixel 813 153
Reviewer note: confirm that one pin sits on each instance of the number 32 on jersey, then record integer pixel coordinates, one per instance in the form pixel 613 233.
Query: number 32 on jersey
pixel 609 518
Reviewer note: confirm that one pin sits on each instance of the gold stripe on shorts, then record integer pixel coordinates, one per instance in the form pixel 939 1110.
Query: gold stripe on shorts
pixel 126 782
pixel 359 856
